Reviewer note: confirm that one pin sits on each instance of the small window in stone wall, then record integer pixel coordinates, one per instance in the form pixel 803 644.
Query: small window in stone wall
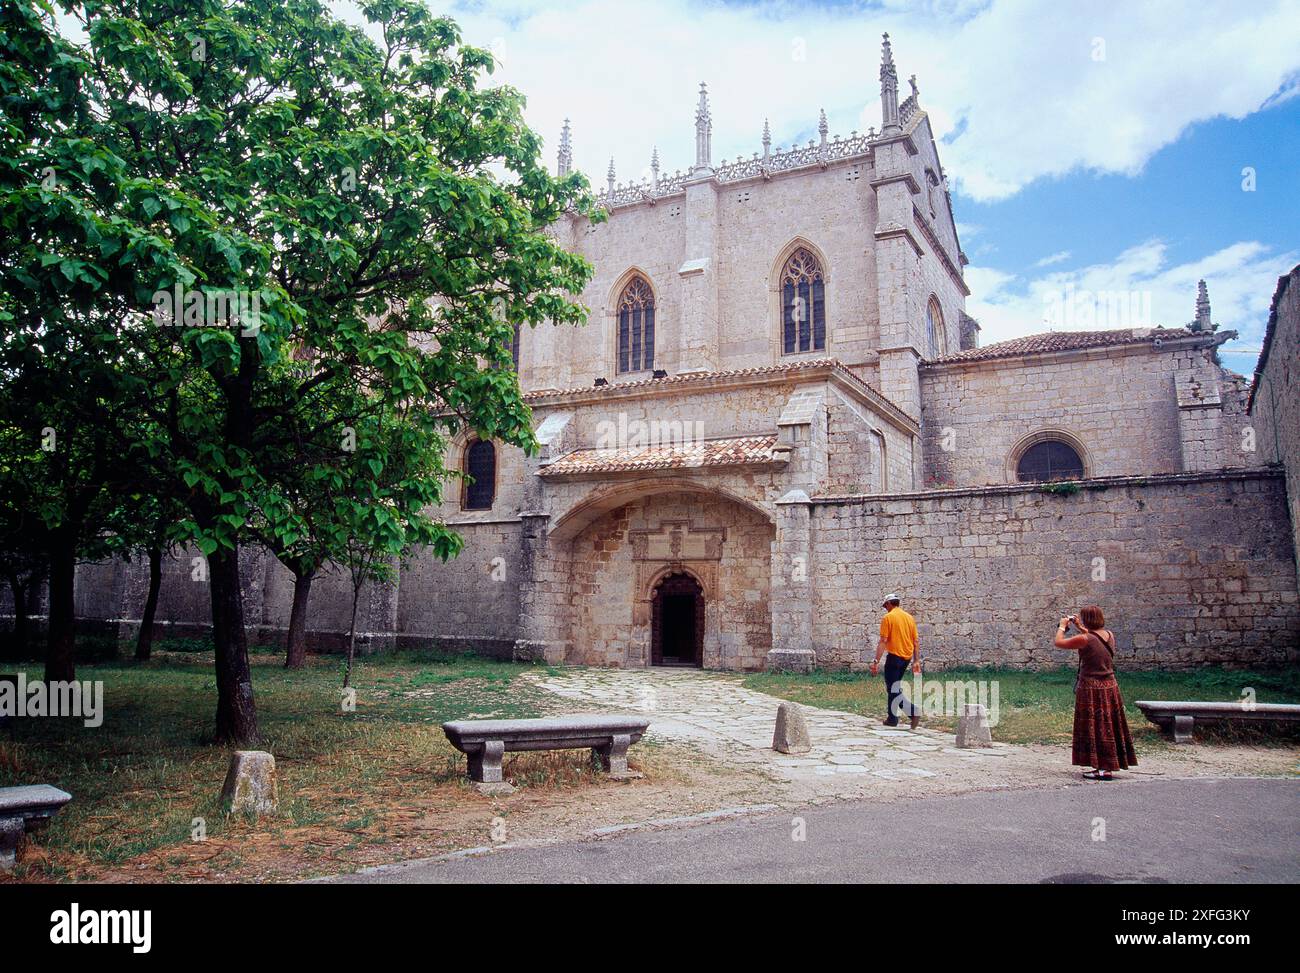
pixel 481 465
pixel 1049 460
pixel 803 304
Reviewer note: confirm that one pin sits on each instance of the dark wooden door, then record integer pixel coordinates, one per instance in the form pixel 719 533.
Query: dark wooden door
pixel 677 622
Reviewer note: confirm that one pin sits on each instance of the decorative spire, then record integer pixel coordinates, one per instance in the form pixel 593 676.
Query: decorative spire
pixel 610 175
pixel 703 131
pixel 564 158
pixel 767 140
pixel 888 90
pixel 822 128
pixel 1203 322
pixel 654 168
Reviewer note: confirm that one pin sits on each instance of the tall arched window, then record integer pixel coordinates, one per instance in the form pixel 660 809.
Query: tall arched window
pixel 803 304
pixel 934 330
pixel 514 348
pixel 481 466
pixel 1047 460
pixel 636 327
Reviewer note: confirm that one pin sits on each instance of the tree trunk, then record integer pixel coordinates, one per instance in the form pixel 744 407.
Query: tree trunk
pixel 296 657
pixel 60 646
pixel 352 635
pixel 236 710
pixel 144 641
pixel 18 644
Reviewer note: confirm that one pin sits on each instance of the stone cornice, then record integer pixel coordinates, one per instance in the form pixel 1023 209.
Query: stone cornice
pixel 903 177
pixel 890 231
pixel 1099 483
pixel 828 369
pixel 928 232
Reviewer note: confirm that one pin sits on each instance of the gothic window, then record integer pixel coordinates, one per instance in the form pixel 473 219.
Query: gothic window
pixel 636 327
pixel 514 348
pixel 481 466
pixel 934 330
pixel 1047 460
pixel 803 304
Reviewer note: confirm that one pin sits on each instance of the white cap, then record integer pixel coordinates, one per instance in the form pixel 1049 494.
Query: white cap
pixel 892 596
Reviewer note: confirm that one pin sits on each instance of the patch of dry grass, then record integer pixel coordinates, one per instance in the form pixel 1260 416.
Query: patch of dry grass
pixel 355 787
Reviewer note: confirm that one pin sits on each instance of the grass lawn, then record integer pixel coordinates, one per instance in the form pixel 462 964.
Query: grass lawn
pixel 1038 706
pixel 139 780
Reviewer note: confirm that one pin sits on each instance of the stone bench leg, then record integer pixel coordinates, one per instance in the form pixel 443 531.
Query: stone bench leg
pixel 613 757
pixel 11 832
pixel 1183 728
pixel 485 765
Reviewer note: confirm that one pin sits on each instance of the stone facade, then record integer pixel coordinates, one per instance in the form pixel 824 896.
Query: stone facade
pixel 787 491
pixel 1275 397
pixel 1190 569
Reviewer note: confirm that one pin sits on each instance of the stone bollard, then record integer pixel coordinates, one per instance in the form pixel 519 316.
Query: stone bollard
pixel 250 783
pixel 791 734
pixel 973 727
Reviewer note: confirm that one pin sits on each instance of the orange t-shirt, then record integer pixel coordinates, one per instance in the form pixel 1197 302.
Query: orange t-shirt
pixel 898 629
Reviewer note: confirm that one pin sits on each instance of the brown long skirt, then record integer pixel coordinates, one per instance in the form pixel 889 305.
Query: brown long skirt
pixel 1101 737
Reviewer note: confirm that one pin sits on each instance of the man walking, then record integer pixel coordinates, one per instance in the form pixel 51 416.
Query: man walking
pixel 898 643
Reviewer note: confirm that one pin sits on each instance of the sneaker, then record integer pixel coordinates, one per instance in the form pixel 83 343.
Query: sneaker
pixel 889 722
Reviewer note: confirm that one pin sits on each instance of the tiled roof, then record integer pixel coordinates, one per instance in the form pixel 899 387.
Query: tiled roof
pixel 1053 341
pixel 738 451
pixel 687 377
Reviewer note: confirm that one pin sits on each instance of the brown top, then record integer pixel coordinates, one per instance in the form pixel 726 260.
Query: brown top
pixel 1096 659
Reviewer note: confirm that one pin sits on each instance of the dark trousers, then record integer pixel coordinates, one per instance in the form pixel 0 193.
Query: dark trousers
pixel 899 704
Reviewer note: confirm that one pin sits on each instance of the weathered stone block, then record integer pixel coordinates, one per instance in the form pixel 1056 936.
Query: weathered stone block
pixel 250 783
pixel 973 727
pixel 791 660
pixel 791 735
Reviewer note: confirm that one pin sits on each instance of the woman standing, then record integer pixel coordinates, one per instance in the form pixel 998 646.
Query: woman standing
pixel 1101 737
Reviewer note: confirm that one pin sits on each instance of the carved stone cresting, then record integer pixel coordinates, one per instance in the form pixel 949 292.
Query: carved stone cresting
pixel 676 541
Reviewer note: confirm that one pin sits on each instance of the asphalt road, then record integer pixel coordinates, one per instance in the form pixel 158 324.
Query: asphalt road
pixel 1155 831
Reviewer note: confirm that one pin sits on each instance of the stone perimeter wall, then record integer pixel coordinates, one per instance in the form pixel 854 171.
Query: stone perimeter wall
pixel 1197 569
pixel 1275 409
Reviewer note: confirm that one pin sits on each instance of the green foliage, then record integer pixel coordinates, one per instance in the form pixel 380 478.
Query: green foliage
pixel 1063 489
pixel 380 211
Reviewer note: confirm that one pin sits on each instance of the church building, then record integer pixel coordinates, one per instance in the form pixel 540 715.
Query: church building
pixel 779 410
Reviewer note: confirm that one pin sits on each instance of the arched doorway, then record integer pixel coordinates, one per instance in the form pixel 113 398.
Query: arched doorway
pixel 677 621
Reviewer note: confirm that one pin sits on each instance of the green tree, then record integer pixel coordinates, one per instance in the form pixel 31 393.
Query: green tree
pixel 373 202
pixel 71 376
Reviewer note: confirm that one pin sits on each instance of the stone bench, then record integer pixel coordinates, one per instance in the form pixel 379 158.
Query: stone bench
pixel 25 809
pixel 484 742
pixel 1179 718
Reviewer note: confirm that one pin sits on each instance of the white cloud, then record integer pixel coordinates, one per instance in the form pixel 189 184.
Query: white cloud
pixel 1241 279
pixel 1012 85
pixel 1056 258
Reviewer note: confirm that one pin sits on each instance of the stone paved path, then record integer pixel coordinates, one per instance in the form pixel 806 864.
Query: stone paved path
pixel 851 754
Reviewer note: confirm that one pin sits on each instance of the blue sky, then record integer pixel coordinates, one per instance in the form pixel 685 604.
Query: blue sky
pixel 1090 147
